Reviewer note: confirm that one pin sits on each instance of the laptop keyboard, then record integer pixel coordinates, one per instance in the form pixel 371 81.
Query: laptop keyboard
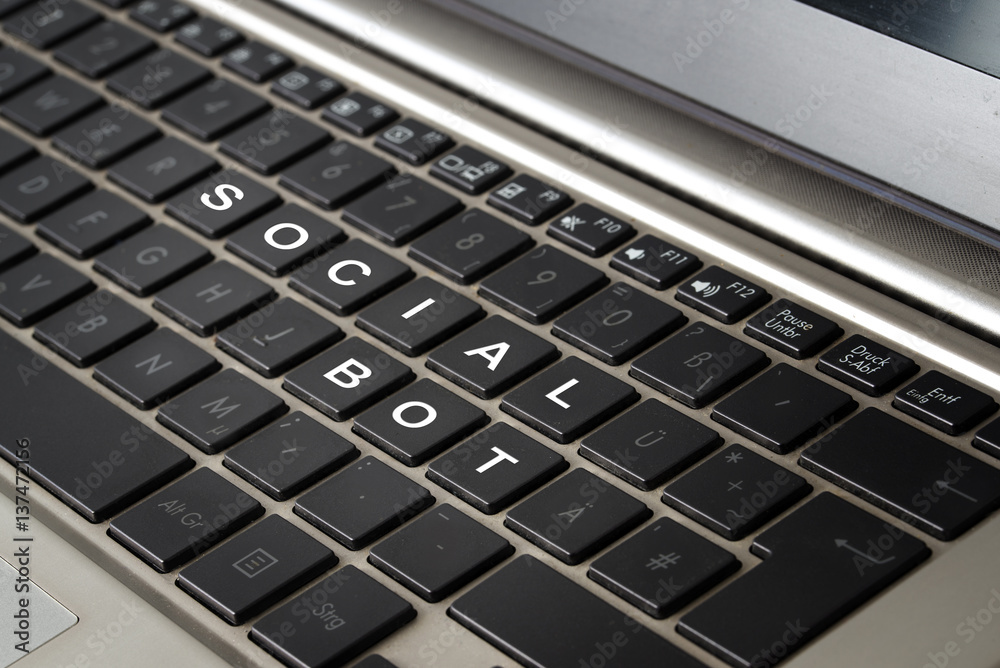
pixel 380 245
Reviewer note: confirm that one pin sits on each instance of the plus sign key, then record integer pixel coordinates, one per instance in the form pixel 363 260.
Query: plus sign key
pixel 735 492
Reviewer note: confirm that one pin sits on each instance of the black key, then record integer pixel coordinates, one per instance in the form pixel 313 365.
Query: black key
pixel 208 36
pixel 362 503
pixel 470 246
pixel 495 468
pixel 38 287
pixel 45 25
pixel 288 456
pixel 49 105
pixel 491 357
pixel 151 260
pixel 213 297
pixel 158 78
pixel 284 239
pixel 160 170
pixel 944 403
pixel 161 15
pixel 21 71
pixel 13 248
pixel 220 411
pixel 576 516
pixel 617 323
pixel 336 174
pixel 930 485
pixel 38 187
pixel 374 661
pixel 93 328
pixel 344 381
pixel 866 365
pixel 181 521
pixel 590 230
pixel 413 141
pixel 360 611
pixel 988 439
pixel 350 277
pixel 105 136
pixel 698 365
pixel 783 408
pixel 418 422
pixel 117 4
pixel 792 329
pixel 94 222
pixel 307 87
pixel 470 170
pixel 822 562
pixel 13 150
pixel 273 141
pixel 542 284
pixel 529 200
pixel 722 295
pixel 103 48
pixel 654 262
pixel 45 413
pixel 439 553
pixel 223 202
pixel 155 368
pixel 210 111
pixel 278 337
pixel 735 492
pixel 568 400
pixel 256 62
pixel 524 606
pixel 663 568
pixel 359 114
pixel 255 569
pixel 401 210
pixel 419 316
pixel 8 6
pixel 649 444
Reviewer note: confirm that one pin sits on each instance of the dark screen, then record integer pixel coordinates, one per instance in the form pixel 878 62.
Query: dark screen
pixel 966 31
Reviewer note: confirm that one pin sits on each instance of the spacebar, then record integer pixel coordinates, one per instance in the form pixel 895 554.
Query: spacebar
pixel 545 620
pixel 75 443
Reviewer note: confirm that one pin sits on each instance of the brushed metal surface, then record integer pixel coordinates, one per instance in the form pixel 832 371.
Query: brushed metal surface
pixel 938 270
pixel 434 639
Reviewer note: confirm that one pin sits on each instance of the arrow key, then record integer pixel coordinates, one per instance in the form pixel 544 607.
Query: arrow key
pixel 820 563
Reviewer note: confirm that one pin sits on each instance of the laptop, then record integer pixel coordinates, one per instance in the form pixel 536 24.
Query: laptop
pixel 475 333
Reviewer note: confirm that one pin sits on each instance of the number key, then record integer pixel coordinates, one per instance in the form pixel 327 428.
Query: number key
pixel 542 284
pixel 470 246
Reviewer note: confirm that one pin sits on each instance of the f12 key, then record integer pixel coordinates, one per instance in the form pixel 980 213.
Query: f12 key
pixel 722 295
